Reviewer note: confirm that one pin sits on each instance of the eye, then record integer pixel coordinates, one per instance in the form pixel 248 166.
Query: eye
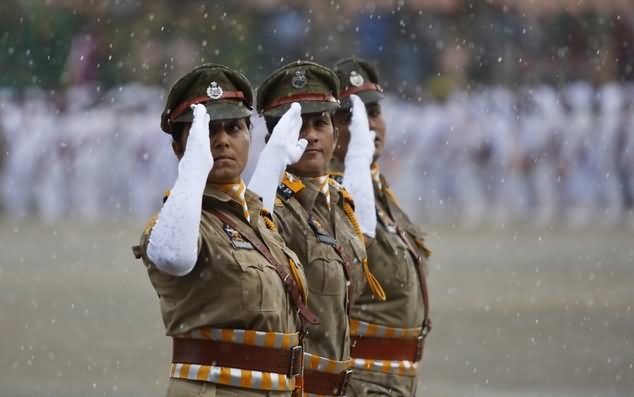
pixel 374 112
pixel 233 127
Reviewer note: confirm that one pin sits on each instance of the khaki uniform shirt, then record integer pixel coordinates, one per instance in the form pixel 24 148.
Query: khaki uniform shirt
pixel 392 264
pixel 232 286
pixel 325 274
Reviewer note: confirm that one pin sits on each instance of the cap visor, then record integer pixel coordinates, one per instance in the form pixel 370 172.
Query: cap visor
pixel 368 96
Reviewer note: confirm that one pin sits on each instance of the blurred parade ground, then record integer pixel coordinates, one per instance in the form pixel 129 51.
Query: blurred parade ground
pixel 516 313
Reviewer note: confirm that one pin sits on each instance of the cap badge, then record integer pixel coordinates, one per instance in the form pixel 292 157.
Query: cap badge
pixel 356 79
pixel 299 80
pixel 214 91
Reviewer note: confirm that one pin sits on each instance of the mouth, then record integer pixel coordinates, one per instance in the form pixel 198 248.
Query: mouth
pixel 223 157
pixel 313 150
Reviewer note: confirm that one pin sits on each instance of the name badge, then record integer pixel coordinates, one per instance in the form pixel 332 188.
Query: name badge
pixel 320 232
pixel 236 239
pixel 385 220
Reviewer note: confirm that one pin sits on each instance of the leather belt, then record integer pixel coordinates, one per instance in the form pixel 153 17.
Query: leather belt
pixel 235 355
pixel 389 349
pixel 324 383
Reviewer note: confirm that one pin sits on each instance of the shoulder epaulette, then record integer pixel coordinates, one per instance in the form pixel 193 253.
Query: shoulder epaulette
pixel 289 186
pixel 268 219
pixel 391 195
pixel 347 198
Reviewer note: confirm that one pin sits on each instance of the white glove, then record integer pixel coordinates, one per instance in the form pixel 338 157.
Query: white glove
pixel 357 178
pixel 283 148
pixel 173 245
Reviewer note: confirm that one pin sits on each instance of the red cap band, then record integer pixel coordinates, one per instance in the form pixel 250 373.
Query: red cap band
pixel 363 87
pixel 301 98
pixel 180 109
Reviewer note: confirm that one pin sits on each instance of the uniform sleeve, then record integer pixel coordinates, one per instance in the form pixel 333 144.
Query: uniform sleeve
pixel 141 250
pixel 174 239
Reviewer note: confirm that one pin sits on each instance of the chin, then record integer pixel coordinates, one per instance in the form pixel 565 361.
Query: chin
pixel 224 175
pixel 309 168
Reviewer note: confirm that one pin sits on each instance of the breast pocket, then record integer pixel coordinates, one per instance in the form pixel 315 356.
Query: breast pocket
pixel 260 287
pixel 325 275
pixel 390 260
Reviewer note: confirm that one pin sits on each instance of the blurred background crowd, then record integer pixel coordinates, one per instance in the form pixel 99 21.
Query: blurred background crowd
pixel 498 110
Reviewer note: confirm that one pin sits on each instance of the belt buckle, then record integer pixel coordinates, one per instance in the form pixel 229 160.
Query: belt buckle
pixel 296 364
pixel 344 382
pixel 420 343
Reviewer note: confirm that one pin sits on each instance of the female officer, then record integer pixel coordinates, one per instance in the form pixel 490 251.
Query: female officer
pixel 314 214
pixel 229 288
pixel 387 337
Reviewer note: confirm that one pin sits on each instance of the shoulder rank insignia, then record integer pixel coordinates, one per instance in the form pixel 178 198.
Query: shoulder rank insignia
pixel 284 191
pixel 347 198
pixel 236 239
pixel 289 186
pixel 321 234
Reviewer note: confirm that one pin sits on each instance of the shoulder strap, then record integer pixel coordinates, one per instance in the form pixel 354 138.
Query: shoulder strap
pixel 287 279
pixel 348 272
pixel 347 269
pixel 426 326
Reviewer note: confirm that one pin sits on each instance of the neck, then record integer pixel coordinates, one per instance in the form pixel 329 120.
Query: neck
pixel 228 181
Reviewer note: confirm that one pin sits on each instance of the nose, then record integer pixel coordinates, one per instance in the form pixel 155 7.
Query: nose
pixel 309 133
pixel 219 137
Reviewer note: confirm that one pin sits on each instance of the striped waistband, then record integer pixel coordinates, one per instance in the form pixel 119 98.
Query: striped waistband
pixel 243 378
pixel 361 328
pixel 277 340
pixel 404 368
pixel 322 364
pixel 233 377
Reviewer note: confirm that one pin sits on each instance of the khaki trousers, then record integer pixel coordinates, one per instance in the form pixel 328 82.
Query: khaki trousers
pixel 191 388
pixel 369 383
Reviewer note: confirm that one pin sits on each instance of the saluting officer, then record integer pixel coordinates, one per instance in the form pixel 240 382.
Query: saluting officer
pixel 315 215
pixel 387 336
pixel 229 289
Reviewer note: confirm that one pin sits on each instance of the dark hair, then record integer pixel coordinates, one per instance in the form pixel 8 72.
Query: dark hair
pixel 178 128
pixel 347 112
pixel 271 122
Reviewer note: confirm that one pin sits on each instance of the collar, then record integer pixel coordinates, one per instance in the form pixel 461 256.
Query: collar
pixel 309 196
pixel 224 200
